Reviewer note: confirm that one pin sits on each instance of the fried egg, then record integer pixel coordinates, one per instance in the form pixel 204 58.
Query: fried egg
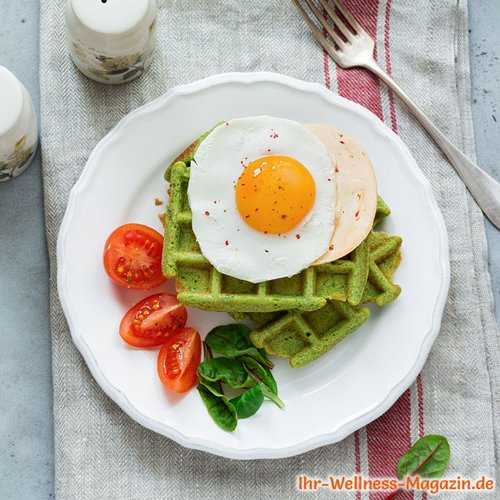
pixel 262 193
pixel 356 191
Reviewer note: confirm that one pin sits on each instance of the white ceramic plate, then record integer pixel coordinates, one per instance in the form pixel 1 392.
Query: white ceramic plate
pixel 325 401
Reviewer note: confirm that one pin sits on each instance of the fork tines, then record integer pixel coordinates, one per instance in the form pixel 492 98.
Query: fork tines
pixel 340 26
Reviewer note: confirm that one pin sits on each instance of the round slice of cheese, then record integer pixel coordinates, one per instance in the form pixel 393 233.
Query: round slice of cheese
pixel 356 191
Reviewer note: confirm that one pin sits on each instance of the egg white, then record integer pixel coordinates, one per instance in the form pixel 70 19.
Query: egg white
pixel 232 246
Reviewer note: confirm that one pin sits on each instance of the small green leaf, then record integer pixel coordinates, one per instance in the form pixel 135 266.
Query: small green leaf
pixel 261 373
pixel 230 371
pixel 428 457
pixel 234 341
pixel 213 387
pixel 270 395
pixel 219 408
pixel 249 403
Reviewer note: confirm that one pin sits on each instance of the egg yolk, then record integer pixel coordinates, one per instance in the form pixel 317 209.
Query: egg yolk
pixel 274 194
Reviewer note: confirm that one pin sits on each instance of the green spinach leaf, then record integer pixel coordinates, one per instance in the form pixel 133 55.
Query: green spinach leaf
pixel 214 387
pixel 230 371
pixel 249 403
pixel 219 408
pixel 428 457
pixel 273 397
pixel 261 373
pixel 234 341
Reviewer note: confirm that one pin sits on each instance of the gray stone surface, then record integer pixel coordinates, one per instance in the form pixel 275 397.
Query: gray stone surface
pixel 26 453
pixel 485 67
pixel 26 428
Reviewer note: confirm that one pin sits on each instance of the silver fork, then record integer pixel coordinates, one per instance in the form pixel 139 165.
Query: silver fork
pixel 357 50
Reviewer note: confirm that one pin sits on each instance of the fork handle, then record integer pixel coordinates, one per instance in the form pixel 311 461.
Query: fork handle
pixel 484 189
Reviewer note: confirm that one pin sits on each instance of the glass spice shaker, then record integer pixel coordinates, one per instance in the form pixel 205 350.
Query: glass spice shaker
pixel 111 41
pixel 18 127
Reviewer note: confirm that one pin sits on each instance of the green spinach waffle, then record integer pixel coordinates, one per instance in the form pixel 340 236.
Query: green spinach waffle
pixel 382 211
pixel 384 259
pixel 303 336
pixel 201 286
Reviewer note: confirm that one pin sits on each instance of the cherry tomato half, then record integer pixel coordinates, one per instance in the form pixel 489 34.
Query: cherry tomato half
pixel 132 257
pixel 152 321
pixel 178 360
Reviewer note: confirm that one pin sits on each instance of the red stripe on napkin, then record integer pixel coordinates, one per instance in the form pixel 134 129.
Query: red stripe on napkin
pixel 421 427
pixel 326 59
pixel 420 393
pixel 355 84
pixel 357 452
pixel 388 64
pixel 388 438
pixel 326 67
